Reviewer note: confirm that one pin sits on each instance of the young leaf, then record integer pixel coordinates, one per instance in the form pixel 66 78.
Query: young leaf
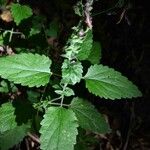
pixel 95 54
pixel 71 72
pixel 108 83
pixel 67 92
pixel 89 118
pixel 20 12
pixel 86 45
pixel 4 87
pixel 27 69
pixel 59 129
pixel 7 117
pixel 12 137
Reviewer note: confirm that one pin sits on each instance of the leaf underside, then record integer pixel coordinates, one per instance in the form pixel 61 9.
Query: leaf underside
pixel 26 69
pixel 110 84
pixel 59 129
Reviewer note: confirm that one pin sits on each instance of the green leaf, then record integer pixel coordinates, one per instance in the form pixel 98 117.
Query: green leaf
pixel 4 87
pixel 37 25
pixel 1 39
pixel 20 12
pixel 53 29
pixel 12 137
pixel 67 92
pixel 89 118
pixel 78 9
pixel 95 54
pixel 7 117
pixel 59 129
pixel 108 83
pixel 71 72
pixel 33 96
pixel 27 69
pixel 86 45
pixel 34 30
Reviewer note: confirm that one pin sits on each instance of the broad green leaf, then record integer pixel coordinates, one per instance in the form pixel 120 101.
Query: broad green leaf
pixel 89 118
pixel 95 54
pixel 27 69
pixel 86 45
pixel 71 72
pixel 12 137
pixel 59 129
pixel 7 117
pixel 108 83
pixel 20 12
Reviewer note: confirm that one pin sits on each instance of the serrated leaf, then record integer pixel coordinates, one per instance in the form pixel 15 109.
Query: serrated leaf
pixel 86 45
pixel 20 12
pixel 95 54
pixel 71 72
pixel 26 69
pixel 59 129
pixel 107 83
pixel 67 92
pixel 89 118
pixel 7 117
pixel 12 137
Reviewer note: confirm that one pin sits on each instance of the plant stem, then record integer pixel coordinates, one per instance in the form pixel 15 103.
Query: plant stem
pixel 62 97
pixel 11 34
pixel 55 74
pixel 34 138
pixel 55 99
pixel 59 104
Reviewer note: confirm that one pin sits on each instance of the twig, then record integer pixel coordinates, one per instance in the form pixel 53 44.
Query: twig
pixel 130 126
pixel 88 9
pixel 11 34
pixel 36 139
pixel 107 10
pixel 27 144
